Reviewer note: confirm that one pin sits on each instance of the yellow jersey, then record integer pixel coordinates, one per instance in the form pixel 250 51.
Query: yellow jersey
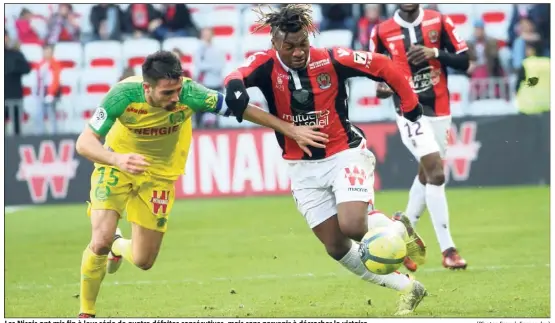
pixel 163 137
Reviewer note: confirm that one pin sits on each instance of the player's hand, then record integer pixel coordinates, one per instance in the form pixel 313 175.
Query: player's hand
pixel 414 114
pixel 383 91
pixel 309 136
pixel 131 163
pixel 419 54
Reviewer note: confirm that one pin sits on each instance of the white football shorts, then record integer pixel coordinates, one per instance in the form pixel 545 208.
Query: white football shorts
pixel 425 136
pixel 318 186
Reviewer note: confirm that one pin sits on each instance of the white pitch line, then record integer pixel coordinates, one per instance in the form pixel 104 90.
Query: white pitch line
pixel 15 209
pixel 258 277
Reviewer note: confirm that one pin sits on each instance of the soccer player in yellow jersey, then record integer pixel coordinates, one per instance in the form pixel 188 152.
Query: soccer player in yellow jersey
pixel 146 122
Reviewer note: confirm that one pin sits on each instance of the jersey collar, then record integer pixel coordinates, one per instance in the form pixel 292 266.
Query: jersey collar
pixel 406 24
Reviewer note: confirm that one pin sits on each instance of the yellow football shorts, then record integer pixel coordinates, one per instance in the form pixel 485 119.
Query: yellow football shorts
pixel 147 200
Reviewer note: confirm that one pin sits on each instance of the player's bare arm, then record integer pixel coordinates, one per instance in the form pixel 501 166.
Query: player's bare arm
pixel 89 146
pixel 303 135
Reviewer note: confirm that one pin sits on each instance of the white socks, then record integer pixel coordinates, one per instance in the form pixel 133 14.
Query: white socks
pixel 439 212
pixel 434 198
pixel 417 201
pixel 354 264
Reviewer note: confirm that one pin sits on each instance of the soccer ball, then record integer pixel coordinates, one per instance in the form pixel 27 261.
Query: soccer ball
pixel 382 251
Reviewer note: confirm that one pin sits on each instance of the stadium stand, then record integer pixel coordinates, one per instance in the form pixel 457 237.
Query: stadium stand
pixel 89 68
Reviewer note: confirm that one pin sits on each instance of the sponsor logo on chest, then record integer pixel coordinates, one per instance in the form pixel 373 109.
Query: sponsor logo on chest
pixel 319 64
pixel 424 79
pixel 157 123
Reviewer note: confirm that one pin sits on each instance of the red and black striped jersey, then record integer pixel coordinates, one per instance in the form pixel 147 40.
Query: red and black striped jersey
pixel 317 94
pixel 430 29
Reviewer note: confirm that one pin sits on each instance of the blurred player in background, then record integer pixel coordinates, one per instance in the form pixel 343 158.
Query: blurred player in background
pixel 147 124
pixel 332 187
pixel 423 43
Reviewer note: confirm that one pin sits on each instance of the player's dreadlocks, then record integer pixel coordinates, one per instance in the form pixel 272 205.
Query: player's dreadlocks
pixel 289 19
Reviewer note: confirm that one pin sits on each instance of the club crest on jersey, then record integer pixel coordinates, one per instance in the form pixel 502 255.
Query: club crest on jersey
pixel 324 81
pixel 177 117
pixel 433 35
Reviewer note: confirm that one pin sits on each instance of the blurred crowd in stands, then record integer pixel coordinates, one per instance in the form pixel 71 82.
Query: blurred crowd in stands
pixel 48 25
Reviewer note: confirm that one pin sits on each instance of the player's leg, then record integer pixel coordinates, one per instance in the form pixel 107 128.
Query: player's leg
pixel 318 207
pixel 426 139
pixel 95 256
pixel 320 210
pixel 417 194
pixel 417 197
pixel 143 247
pixel 436 200
pixel 346 251
pixel 353 187
pixel 148 212
pixel 109 192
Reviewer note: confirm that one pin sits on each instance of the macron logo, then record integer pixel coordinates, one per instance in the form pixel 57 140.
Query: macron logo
pixel 238 94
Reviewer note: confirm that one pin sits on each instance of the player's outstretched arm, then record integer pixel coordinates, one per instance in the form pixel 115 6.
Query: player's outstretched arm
pixel 379 68
pixel 202 99
pixel 304 135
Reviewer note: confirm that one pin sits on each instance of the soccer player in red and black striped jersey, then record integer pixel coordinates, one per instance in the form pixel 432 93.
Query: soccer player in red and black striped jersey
pixel 423 43
pixel 333 187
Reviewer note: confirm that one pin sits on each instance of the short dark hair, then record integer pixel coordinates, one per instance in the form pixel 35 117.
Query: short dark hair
pixel 161 65
pixel 290 18
pixel 23 12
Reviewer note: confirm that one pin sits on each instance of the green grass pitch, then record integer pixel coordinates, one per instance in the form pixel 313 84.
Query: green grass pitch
pixel 256 257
